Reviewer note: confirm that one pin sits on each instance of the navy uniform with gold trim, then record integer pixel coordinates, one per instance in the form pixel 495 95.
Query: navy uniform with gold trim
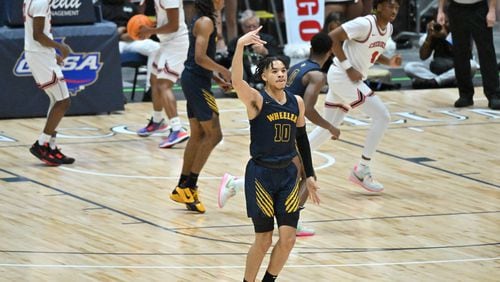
pixel 271 180
pixel 296 73
pixel 196 81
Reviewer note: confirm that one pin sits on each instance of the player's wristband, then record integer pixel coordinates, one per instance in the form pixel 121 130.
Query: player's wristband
pixel 345 64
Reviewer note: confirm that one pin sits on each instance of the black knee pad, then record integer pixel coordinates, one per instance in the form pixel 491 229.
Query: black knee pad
pixel 263 224
pixel 289 219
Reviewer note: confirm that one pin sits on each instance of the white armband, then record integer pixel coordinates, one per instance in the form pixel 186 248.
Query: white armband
pixel 345 64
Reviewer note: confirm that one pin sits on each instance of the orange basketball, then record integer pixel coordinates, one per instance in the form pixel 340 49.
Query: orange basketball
pixel 135 23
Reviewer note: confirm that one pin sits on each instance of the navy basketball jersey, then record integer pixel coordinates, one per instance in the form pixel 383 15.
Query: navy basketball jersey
pixel 296 73
pixel 273 130
pixel 190 63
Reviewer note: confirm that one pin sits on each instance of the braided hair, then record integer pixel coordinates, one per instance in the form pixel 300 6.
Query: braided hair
pixel 205 8
pixel 265 64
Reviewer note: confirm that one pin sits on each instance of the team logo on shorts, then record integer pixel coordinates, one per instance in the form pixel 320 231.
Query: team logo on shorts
pixel 80 69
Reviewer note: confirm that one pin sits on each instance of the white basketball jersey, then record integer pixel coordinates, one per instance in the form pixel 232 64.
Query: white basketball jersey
pixel 32 9
pixel 366 42
pixel 162 19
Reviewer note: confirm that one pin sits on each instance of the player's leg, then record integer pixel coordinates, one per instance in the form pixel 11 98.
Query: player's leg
pixel 334 113
pixel 257 252
pixel 156 123
pixel 281 250
pixel 258 177
pixel 172 58
pixel 177 133
pixel 203 108
pixel 48 76
pixel 377 111
pixel 287 214
pixel 340 90
pixel 57 110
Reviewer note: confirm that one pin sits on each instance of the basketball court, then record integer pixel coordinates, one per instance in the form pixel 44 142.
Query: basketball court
pixel 108 217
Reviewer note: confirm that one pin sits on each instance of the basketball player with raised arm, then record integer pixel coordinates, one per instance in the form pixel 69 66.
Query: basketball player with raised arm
pixel 45 64
pixel 305 79
pixel 168 64
pixel 357 45
pixel 277 125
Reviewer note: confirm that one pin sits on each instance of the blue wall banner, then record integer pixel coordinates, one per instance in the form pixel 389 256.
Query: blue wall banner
pixel 92 72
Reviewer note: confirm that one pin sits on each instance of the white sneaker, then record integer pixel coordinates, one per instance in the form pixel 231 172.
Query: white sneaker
pixel 363 178
pixel 226 189
pixel 303 231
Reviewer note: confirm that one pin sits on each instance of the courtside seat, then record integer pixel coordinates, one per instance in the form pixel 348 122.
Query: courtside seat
pixel 136 61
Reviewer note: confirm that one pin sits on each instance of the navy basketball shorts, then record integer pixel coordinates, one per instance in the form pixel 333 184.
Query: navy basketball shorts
pixel 200 101
pixel 272 192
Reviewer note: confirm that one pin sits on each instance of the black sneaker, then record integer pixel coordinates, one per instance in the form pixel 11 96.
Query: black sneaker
pixel 494 104
pixel 420 83
pixel 44 153
pixel 463 102
pixel 63 159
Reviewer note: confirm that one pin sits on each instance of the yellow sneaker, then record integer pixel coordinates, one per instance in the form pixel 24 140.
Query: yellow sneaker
pixel 196 206
pixel 182 195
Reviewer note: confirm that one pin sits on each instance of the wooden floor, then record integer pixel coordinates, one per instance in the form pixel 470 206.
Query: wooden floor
pixel 108 216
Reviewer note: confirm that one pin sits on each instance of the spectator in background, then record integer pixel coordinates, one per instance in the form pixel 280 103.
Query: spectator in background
pixel 253 53
pixel 231 16
pixel 440 72
pixel 229 12
pixel 473 19
pixel 119 12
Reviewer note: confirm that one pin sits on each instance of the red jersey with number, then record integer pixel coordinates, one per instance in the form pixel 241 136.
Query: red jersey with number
pixel 366 42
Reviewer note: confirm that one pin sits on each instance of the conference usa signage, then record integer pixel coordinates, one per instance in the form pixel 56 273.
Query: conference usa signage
pixel 304 18
pixel 63 12
pixel 80 69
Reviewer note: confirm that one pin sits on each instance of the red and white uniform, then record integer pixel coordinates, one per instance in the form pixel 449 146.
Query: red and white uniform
pixel 169 60
pixel 366 42
pixel 32 9
pixel 41 59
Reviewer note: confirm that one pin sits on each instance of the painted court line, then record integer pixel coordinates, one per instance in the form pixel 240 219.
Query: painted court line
pixel 329 162
pixel 17 265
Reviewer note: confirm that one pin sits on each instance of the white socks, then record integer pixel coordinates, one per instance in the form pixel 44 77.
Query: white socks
pixel 44 138
pixel 175 123
pixel 157 116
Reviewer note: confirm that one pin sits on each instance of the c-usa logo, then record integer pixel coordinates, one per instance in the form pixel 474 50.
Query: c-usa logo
pixel 80 69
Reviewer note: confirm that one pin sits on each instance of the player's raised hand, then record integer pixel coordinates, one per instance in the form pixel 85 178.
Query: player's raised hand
pixel 251 38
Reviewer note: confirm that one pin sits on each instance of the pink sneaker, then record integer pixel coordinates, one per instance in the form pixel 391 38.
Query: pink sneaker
pixel 226 189
pixel 304 231
pixel 152 127
pixel 363 177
